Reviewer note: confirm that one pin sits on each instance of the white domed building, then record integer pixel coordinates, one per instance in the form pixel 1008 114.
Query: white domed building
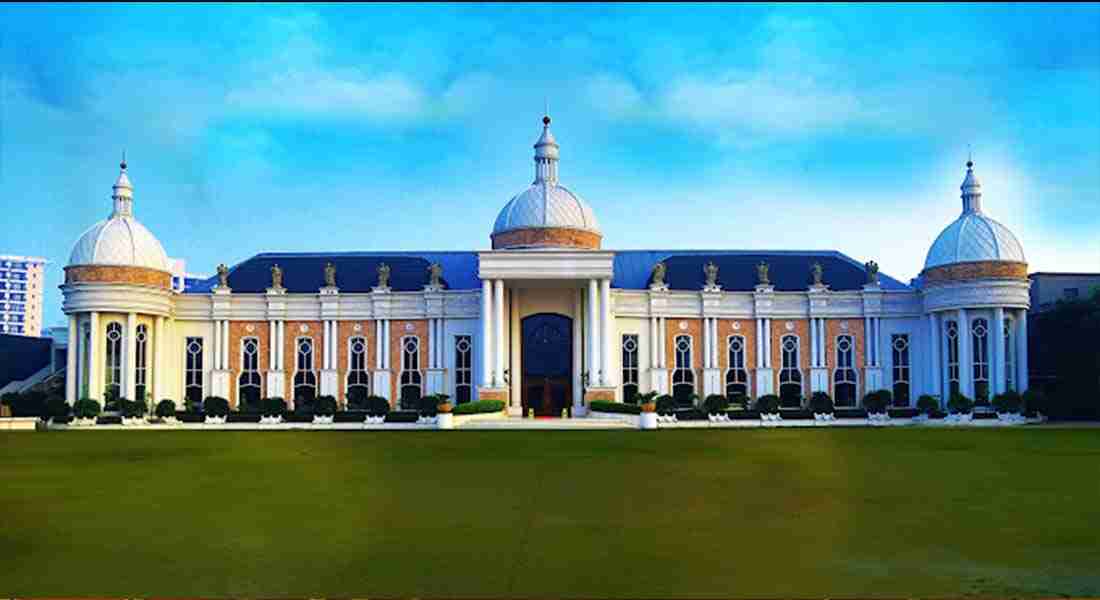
pixel 546 319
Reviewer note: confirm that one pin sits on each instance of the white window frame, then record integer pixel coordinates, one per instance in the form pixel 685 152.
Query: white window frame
pixel 464 375
pixel 259 380
pixel 1010 355
pixel 740 374
pixel 141 362
pixel 361 376
pixel 683 375
pixel 630 369
pixel 410 374
pixel 194 377
pixel 786 373
pixel 844 371
pixel 112 376
pixel 901 371
pixel 951 340
pixel 979 339
pixel 309 375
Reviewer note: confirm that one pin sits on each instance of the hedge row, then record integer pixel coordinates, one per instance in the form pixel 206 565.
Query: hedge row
pixel 614 407
pixel 479 407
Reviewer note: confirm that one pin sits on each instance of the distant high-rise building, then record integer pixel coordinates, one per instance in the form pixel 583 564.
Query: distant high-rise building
pixel 21 283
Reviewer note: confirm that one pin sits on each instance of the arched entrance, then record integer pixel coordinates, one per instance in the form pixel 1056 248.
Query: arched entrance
pixel 547 383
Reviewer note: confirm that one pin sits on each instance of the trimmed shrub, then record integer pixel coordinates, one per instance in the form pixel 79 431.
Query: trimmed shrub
pixel 166 408
pixel 768 403
pixel 614 407
pixel 403 416
pixel 28 404
pixel 927 404
pixel 959 404
pixel 902 412
pixel 1008 402
pixel 479 407
pixel 821 403
pixel 666 405
pixel 303 403
pixel 215 406
pixel 274 406
pixel 877 401
pixel 427 405
pixel 324 406
pixel 1035 401
pixel 86 408
pixel 740 400
pixel 132 408
pixel 715 404
pixel 357 398
pixel 378 406
pixel 56 407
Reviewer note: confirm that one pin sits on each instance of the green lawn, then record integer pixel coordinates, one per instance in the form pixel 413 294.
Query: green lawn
pixel 775 513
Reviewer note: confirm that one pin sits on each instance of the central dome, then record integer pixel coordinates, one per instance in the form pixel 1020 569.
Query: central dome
pixel 546 214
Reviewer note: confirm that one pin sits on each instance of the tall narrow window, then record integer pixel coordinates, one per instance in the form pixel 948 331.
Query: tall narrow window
pixel 683 377
pixel 630 368
pixel 248 383
pixel 192 387
pixel 979 331
pixel 790 375
pixel 844 375
pixel 141 362
pixel 900 344
pixel 737 378
pixel 1010 357
pixel 305 379
pixel 952 334
pixel 410 372
pixel 85 364
pixel 358 383
pixel 464 369
pixel 113 389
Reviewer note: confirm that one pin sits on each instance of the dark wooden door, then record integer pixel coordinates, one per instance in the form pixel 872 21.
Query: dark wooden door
pixel 547 384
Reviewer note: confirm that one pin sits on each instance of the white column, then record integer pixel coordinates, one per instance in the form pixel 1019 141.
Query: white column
pixel 759 343
pixel 593 335
pixel 70 362
pixel 767 343
pixel 1021 352
pixel 95 388
pixel 281 347
pixel 486 333
pixel 217 346
pixel 379 333
pixel 158 360
pixel 272 339
pixel 997 353
pixel 653 342
pixel 578 351
pixel 606 322
pixel 815 351
pixel 662 333
pixel 966 359
pixel 823 360
pixel 387 364
pixel 936 386
pixel 498 332
pixel 130 377
pixel 431 344
pixel 225 344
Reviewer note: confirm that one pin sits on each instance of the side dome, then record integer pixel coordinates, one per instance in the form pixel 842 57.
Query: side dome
pixel 546 214
pixel 121 241
pixel 974 246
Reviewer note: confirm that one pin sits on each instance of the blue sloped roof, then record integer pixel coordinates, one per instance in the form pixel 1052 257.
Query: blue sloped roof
pixel 355 271
pixel 22 356
pixel 788 270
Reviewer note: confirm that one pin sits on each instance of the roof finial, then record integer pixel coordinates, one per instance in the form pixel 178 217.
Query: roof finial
pixel 969 157
pixel 122 165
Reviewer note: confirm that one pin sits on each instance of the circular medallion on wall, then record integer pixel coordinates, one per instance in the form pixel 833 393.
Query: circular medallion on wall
pixel 683 325
pixel 844 326
pixel 410 327
pixel 358 327
pixel 303 328
pixel 736 326
pixel 250 328
pixel 789 326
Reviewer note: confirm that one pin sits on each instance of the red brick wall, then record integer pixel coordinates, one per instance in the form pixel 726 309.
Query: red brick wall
pixel 238 330
pixel 397 331
pixel 290 352
pixel 855 329
pixel 346 330
pixel 802 330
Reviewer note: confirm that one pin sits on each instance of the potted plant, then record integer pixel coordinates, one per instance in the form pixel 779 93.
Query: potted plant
pixel 215 409
pixel 960 407
pixel 875 403
pixel 57 410
pixel 357 399
pixel 133 411
pixel 377 409
pixel 768 405
pixel 927 405
pixel 739 401
pixel 666 408
pixel 716 405
pixel 324 408
pixel 1008 407
pixel 166 411
pixel 822 406
pixel 444 417
pixel 86 410
pixel 273 409
pixel 1035 401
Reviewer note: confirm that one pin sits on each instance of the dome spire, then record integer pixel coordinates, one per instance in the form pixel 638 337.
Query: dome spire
pixel 971 190
pixel 122 192
pixel 546 155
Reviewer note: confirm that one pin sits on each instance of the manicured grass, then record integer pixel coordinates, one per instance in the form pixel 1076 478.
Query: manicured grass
pixel 775 513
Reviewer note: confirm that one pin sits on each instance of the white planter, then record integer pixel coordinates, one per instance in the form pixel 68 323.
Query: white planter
pixel 1011 418
pixel 959 418
pixel 78 422
pixel 272 420
pixel 131 421
pixel 666 418
pixel 322 419
pixel 770 417
pixel 647 420
pixel 375 420
pixel 445 421
pixel 824 417
pixel 878 417
pixel 718 418
pixel 212 420
pixel 169 420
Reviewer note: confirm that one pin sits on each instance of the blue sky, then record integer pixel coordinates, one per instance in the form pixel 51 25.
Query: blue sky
pixel 306 128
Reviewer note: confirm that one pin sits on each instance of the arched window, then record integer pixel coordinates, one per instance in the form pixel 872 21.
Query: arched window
pixel 464 369
pixel 900 345
pixel 141 363
pixel 952 333
pixel 737 378
pixel 358 381
pixel 979 330
pixel 85 364
pixel 305 379
pixel 192 388
pixel 410 372
pixel 113 389
pixel 630 367
pixel 790 376
pixel 683 378
pixel 1010 357
pixel 844 375
pixel 248 383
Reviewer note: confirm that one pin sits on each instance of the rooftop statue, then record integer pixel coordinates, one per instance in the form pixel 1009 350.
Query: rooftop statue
pixel 223 276
pixel 276 277
pixel 435 272
pixel 872 272
pixel 711 271
pixel 762 273
pixel 330 275
pixel 817 273
pixel 383 275
pixel 659 271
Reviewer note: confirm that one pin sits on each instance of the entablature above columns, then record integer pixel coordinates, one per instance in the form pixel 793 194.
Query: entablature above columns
pixel 461 304
pixel 977 294
pixel 747 305
pixel 114 297
pixel 546 264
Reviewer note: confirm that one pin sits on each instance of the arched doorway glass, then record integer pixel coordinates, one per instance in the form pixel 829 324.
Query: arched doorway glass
pixel 547 382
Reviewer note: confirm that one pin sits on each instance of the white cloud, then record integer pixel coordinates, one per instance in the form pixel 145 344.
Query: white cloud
pixel 320 93
pixel 612 95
